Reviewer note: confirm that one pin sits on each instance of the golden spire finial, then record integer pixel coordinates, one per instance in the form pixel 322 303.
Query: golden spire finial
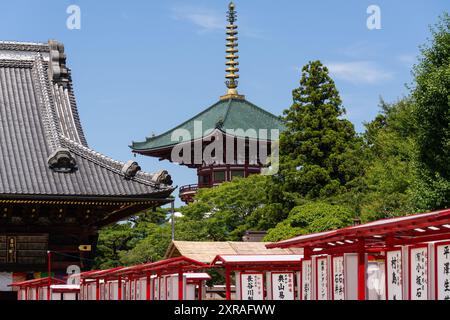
pixel 232 55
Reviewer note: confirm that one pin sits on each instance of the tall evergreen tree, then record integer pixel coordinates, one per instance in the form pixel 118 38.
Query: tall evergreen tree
pixel 318 151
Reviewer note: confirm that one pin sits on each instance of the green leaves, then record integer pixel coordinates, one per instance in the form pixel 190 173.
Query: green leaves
pixel 431 116
pixel 318 150
pixel 390 168
pixel 126 242
pixel 226 211
pixel 432 100
pixel 309 218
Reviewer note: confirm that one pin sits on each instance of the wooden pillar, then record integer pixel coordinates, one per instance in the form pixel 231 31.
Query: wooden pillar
pixel 361 271
pixel 228 283
pixel 119 288
pixel 180 285
pixel 37 293
pixel 130 283
pixel 307 253
pixel 147 289
pixel 49 271
pixel 158 278
pixel 97 289
pixel 200 290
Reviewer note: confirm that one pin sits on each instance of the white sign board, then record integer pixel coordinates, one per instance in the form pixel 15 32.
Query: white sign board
pixel 163 288
pixel 282 286
pixel 322 278
pixel 252 287
pixel 394 275
pixel 338 278
pixel 306 274
pixel 418 278
pixel 156 282
pixel 443 271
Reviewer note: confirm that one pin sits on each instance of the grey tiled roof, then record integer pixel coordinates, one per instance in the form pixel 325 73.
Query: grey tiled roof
pixel 38 116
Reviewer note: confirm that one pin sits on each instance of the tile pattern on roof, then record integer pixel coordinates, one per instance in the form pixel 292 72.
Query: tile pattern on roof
pixel 37 117
pixel 231 114
pixel 207 251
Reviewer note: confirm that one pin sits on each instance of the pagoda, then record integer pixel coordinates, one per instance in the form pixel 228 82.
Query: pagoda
pixel 55 191
pixel 232 138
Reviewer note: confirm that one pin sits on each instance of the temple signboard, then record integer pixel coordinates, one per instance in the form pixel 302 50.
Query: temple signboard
pixel 23 249
pixel 306 276
pixel 442 271
pixel 282 285
pixel 418 264
pixel 252 287
pixel 394 275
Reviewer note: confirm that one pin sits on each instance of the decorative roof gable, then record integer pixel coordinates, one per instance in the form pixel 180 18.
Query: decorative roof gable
pixel 42 145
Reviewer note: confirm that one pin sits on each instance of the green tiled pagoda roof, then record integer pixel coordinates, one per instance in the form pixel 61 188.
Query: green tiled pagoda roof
pixel 230 114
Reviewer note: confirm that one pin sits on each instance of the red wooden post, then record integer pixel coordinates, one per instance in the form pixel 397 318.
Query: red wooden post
pixel 49 265
pixel 37 293
pixel 200 290
pixel 361 271
pixel 307 253
pixel 148 286
pixel 97 289
pixel 228 283
pixel 119 288
pixel 180 285
pixel 26 293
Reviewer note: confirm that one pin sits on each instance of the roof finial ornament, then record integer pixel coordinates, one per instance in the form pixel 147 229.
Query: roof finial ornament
pixel 232 55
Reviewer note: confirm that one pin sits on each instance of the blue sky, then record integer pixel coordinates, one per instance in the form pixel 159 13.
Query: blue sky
pixel 142 67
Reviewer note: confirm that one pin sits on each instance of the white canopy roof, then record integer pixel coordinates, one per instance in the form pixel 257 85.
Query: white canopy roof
pixel 258 258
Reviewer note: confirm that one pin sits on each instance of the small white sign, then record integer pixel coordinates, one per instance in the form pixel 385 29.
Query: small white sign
pixel 306 280
pixel 252 287
pixel 163 288
pixel 338 278
pixel 443 271
pixel 156 283
pixel 418 260
pixel 394 275
pixel 282 286
pixel 322 279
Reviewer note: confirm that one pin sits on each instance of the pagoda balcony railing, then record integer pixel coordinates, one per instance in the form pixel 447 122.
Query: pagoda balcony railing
pixel 188 192
pixel 189 188
pixel 195 187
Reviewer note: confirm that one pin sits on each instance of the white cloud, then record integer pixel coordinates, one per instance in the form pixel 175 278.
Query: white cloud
pixel 359 72
pixel 205 19
pixel 407 59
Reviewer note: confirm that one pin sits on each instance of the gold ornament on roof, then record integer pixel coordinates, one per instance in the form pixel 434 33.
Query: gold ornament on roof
pixel 232 55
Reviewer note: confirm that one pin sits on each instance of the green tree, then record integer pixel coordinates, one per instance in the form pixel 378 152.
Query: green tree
pixel 121 237
pixel 390 168
pixel 112 240
pixel 151 248
pixel 225 212
pixel 309 218
pixel 319 151
pixel 431 94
